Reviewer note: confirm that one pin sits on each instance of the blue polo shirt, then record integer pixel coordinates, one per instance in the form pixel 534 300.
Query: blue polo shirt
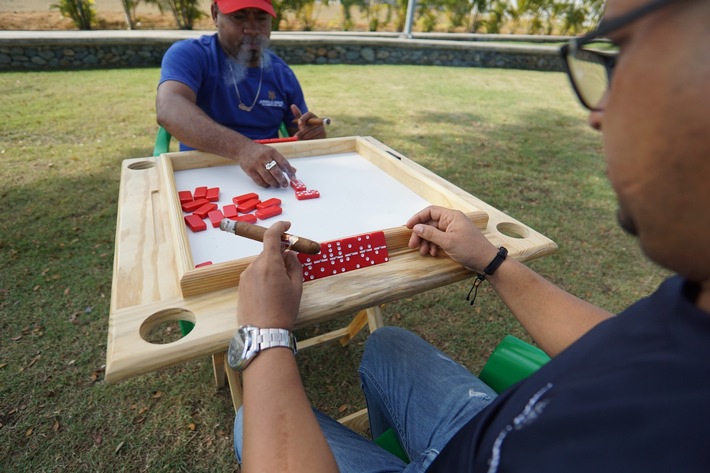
pixel 202 65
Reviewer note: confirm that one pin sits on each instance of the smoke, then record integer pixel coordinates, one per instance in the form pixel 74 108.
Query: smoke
pixel 238 66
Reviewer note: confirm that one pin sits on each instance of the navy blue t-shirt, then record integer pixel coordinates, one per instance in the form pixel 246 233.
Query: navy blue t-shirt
pixel 202 65
pixel 632 395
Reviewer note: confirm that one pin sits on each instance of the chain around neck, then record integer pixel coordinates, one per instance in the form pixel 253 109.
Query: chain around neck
pixel 242 105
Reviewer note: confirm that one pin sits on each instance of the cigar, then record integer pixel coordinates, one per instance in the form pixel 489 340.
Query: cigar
pixel 316 121
pixel 256 233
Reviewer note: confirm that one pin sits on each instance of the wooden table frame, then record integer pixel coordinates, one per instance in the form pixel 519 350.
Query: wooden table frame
pixel 154 281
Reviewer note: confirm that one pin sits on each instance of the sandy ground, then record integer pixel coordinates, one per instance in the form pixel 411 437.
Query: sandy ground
pixel 37 15
pixel 101 5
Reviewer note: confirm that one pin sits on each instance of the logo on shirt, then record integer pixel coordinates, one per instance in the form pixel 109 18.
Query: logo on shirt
pixel 272 102
pixel 532 411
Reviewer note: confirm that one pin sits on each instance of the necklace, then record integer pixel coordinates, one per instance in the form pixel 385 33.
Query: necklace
pixel 242 105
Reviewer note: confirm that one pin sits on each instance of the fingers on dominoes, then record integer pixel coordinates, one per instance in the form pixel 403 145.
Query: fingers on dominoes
pixel 297 185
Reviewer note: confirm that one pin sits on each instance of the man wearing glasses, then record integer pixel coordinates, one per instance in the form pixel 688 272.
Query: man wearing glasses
pixel 624 393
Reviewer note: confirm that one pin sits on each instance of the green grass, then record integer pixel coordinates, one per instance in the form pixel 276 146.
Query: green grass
pixel 516 139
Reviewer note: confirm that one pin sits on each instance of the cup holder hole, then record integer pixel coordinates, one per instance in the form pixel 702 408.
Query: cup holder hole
pixel 165 326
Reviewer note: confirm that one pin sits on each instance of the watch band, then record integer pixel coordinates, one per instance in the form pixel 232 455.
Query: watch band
pixel 275 337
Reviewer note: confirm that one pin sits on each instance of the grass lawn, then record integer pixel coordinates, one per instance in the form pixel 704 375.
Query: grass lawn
pixel 516 139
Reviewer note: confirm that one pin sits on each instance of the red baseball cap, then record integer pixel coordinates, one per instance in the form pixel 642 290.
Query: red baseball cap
pixel 229 6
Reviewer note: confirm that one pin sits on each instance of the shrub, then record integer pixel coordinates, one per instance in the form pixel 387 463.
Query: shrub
pixel 81 12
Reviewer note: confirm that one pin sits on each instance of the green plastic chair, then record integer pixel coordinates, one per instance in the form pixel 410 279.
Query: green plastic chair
pixel 511 361
pixel 162 139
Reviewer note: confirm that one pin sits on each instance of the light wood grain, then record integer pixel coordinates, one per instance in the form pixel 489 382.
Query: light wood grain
pixel 149 263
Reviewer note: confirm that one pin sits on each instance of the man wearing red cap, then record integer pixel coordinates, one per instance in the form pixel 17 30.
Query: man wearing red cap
pixel 219 92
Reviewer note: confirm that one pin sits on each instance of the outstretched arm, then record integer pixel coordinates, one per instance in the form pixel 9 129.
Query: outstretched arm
pixel 553 317
pixel 181 117
pixel 281 432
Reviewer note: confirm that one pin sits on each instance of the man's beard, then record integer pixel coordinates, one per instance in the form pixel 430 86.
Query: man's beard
pixel 246 55
pixel 239 65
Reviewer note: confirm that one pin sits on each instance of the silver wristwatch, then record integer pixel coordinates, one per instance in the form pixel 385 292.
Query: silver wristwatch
pixel 250 340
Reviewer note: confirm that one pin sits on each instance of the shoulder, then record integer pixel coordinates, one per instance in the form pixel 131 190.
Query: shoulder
pixel 280 69
pixel 191 61
pixel 278 64
pixel 204 45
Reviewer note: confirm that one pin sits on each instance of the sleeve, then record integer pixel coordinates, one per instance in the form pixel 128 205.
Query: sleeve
pixel 183 62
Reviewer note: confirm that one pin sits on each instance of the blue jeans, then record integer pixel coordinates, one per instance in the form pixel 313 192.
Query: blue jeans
pixel 412 387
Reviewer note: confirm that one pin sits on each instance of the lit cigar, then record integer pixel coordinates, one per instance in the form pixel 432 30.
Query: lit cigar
pixel 256 233
pixel 316 121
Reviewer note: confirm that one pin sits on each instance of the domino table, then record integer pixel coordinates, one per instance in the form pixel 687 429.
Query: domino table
pixel 364 187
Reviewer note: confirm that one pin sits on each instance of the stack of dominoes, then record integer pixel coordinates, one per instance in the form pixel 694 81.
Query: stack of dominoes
pixel 340 256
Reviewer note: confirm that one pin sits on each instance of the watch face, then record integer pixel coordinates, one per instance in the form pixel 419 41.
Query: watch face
pixel 236 350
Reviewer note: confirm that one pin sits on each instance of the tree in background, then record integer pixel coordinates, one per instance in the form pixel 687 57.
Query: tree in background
pixel 347 22
pixel 307 13
pixel 478 8
pixel 377 14
pixel 184 11
pixel 81 12
pixel 400 14
pixel 129 8
pixel 427 13
pixel 281 8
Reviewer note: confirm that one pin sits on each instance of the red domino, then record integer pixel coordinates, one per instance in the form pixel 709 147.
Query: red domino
pixel 348 254
pixel 205 209
pixel 268 203
pixel 229 211
pixel 297 185
pixel 307 194
pixel 268 212
pixel 200 192
pixel 215 217
pixel 249 218
pixel 244 198
pixel 212 194
pixel 277 140
pixel 185 196
pixel 194 205
pixel 195 223
pixel 248 206
pixel 206 263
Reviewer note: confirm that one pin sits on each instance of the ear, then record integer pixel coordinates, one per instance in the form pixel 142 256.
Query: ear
pixel 215 13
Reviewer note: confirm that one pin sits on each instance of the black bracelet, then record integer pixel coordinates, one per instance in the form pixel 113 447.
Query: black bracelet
pixel 487 271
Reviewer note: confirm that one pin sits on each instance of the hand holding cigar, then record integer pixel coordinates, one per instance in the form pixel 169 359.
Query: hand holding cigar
pixel 256 232
pixel 315 121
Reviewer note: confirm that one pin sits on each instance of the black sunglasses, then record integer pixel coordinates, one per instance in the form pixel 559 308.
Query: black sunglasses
pixel 589 60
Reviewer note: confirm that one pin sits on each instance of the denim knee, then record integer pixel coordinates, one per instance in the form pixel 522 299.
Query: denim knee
pixel 239 433
pixel 387 341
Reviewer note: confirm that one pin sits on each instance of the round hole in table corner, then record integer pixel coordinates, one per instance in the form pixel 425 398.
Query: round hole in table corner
pixel 141 165
pixel 513 230
pixel 163 326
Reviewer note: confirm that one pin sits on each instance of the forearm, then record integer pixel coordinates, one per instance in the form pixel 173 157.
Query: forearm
pixel 553 317
pixel 280 430
pixel 190 125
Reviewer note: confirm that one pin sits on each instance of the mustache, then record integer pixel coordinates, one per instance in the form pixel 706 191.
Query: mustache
pixel 238 66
